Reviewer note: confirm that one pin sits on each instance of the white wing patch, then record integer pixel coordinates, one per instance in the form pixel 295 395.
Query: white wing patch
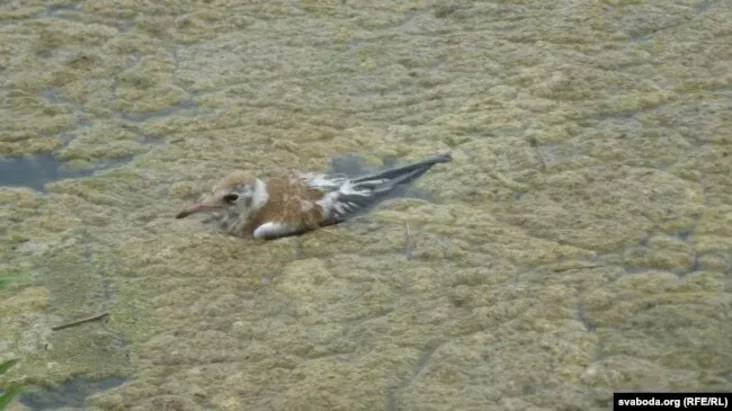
pixel 323 181
pixel 344 201
pixel 270 230
pixel 345 198
pixel 260 196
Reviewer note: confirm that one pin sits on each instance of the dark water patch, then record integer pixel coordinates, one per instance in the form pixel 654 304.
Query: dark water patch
pixel 634 270
pixel 37 171
pixel 52 95
pixel 695 265
pixel 60 11
pixel 152 141
pixel 582 317
pixel 706 5
pixel 67 139
pixel 85 122
pixel 125 26
pixel 683 235
pixel 186 108
pixel 72 393
pixel 644 241
pixel 176 59
pixel 726 376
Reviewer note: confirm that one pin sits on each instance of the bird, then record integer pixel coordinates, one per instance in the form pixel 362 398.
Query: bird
pixel 294 203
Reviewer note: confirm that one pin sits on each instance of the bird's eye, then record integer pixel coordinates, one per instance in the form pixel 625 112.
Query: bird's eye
pixel 231 198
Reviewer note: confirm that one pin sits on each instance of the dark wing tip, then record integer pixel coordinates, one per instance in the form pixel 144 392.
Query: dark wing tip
pixel 444 158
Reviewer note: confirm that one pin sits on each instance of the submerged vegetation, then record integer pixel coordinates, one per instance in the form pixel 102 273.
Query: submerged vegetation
pixel 7 395
pixel 7 278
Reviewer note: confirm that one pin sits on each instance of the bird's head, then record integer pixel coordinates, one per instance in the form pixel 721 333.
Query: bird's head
pixel 235 194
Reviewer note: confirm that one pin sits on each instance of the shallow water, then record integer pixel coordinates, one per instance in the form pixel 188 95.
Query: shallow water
pixel 580 243
pixel 37 171
pixel 72 394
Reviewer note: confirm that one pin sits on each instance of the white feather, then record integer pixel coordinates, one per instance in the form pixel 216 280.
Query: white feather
pixel 323 181
pixel 332 202
pixel 271 229
pixel 260 197
pixel 348 189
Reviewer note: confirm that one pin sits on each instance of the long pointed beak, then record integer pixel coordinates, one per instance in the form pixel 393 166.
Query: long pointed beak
pixel 195 208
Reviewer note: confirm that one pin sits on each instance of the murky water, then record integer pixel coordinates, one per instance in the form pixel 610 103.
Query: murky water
pixel 37 171
pixel 72 394
pixel 580 243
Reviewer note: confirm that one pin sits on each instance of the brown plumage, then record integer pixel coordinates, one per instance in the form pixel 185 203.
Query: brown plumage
pixel 283 206
pixel 291 202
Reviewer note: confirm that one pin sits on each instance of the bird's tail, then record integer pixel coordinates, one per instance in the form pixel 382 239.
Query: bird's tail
pixel 399 176
pixel 359 195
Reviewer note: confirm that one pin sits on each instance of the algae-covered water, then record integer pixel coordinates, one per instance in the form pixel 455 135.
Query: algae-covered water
pixel 580 242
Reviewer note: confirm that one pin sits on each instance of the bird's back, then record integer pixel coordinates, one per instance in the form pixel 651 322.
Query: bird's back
pixel 299 204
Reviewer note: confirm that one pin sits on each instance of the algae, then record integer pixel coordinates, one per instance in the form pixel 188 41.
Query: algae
pixel 578 245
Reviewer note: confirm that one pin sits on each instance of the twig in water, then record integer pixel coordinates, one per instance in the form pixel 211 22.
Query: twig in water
pixel 587 267
pixel 81 321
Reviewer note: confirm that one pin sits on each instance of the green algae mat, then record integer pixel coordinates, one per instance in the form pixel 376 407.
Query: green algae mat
pixel 580 242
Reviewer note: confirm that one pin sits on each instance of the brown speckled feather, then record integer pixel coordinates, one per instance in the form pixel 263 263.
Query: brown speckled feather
pixel 291 203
